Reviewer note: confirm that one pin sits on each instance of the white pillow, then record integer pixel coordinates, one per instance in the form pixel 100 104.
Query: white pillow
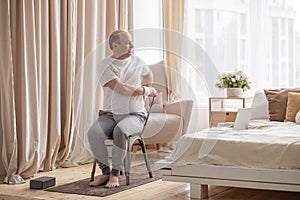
pixel 297 118
pixel 260 106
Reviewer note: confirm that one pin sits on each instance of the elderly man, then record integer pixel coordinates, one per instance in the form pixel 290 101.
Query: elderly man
pixel 125 80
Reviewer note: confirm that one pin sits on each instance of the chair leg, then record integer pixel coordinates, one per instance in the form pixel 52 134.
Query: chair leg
pixel 145 157
pixel 127 166
pixel 93 171
pixel 127 160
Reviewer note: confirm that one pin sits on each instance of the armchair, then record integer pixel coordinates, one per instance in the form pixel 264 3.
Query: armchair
pixel 168 123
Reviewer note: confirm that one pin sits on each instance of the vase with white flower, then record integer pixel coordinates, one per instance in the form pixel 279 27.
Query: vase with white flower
pixel 235 83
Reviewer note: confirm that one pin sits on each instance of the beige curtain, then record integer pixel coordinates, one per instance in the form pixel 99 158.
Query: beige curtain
pixel 43 46
pixel 173 25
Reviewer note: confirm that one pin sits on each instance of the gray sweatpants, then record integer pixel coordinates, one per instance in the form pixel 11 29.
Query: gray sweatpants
pixel 118 128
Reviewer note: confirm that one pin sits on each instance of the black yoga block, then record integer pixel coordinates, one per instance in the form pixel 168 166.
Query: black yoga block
pixel 42 182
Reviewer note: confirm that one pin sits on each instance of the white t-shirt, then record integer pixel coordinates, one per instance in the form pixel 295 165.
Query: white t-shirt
pixel 129 71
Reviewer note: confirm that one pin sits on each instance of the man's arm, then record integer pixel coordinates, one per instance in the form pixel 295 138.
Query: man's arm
pixel 147 79
pixel 128 90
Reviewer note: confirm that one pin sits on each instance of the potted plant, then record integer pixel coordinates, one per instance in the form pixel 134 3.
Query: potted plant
pixel 235 83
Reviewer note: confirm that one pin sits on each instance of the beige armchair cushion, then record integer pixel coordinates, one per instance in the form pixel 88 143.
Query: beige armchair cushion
pixel 169 124
pixel 162 128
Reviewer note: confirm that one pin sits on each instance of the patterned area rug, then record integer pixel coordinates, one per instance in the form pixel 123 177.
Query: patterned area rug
pixel 138 176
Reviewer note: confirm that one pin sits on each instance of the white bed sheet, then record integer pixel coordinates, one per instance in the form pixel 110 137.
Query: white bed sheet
pixel 274 145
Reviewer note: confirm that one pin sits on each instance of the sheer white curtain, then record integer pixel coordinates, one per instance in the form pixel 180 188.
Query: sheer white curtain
pixel 259 31
pixel 256 36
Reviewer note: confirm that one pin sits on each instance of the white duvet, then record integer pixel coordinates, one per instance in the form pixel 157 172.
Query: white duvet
pixel 263 145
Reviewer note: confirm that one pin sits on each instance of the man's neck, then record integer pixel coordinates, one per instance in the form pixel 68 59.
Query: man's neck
pixel 121 57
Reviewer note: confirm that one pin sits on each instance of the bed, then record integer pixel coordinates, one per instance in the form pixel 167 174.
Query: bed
pixel 265 156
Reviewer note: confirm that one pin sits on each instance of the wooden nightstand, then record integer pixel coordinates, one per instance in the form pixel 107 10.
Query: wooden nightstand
pixel 223 109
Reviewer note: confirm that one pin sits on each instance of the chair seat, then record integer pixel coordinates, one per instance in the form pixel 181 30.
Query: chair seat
pixel 161 127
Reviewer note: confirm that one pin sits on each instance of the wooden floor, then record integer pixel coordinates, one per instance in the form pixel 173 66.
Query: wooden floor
pixel 156 190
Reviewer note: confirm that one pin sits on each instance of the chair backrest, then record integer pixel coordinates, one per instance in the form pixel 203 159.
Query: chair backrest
pixel 160 81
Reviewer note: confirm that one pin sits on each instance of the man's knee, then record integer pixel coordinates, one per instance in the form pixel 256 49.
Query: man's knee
pixel 95 133
pixel 119 133
pixel 91 134
pixel 119 137
pixel 130 125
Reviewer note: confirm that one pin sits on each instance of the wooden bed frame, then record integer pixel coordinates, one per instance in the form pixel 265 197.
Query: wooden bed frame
pixel 200 176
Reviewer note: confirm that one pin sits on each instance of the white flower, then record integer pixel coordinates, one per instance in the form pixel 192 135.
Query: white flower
pixel 233 80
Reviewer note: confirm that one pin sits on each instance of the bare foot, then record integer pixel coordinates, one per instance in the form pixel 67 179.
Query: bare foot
pixel 113 182
pixel 101 181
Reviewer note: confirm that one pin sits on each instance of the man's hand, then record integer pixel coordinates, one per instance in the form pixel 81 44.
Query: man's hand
pixel 153 92
pixel 150 91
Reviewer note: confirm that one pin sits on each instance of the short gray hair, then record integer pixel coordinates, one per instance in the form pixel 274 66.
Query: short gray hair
pixel 114 38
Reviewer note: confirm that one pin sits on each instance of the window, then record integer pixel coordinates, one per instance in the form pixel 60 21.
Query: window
pixel 147 30
pixel 283 27
pixel 199 26
pixel 243 23
pixel 259 37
